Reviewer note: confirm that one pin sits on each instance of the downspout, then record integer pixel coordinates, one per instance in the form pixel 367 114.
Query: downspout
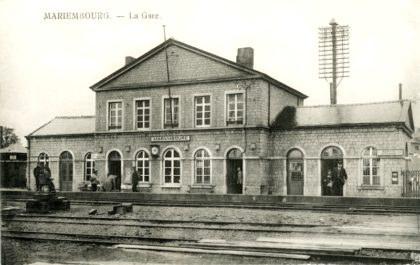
pixel 168 77
pixel 29 163
pixel 269 105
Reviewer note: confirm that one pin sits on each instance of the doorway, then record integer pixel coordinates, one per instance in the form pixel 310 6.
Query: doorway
pixel 330 157
pixel 66 171
pixel 234 172
pixel 295 173
pixel 114 167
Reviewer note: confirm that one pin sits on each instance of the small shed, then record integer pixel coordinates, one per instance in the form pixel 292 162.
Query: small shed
pixel 13 161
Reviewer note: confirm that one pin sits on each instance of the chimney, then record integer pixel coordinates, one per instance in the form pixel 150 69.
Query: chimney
pixel 400 90
pixel 245 57
pixel 129 59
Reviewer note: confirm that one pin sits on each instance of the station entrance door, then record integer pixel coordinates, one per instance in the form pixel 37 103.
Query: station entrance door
pixel 330 157
pixel 234 163
pixel 66 171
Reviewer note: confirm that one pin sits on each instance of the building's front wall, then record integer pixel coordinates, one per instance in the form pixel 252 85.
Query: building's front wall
pixel 217 142
pixel 255 99
pixel 351 141
pixel 54 147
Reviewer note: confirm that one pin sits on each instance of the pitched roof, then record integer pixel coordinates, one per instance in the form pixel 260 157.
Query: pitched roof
pixel 396 112
pixel 171 41
pixel 67 126
pixel 14 148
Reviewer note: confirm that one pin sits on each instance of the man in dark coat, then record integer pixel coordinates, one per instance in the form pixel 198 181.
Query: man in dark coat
pixel 37 172
pixel 134 179
pixel 339 179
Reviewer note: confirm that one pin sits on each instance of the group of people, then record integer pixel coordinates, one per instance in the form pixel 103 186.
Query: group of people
pixel 112 182
pixel 42 174
pixel 334 181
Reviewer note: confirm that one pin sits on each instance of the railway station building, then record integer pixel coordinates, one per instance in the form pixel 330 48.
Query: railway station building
pixel 189 120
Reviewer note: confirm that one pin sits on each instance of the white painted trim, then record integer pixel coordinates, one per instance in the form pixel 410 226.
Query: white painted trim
pixel 193 165
pixel 74 168
pixel 304 165
pixel 107 159
pixel 84 163
pixel 134 162
pixel 228 92
pixel 243 167
pixel 135 114
pixel 343 151
pixel 107 114
pixel 179 111
pixel 162 162
pixel 360 167
pixel 194 110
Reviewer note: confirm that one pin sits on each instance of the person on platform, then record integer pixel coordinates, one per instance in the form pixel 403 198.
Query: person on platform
pixel 109 184
pixel 328 184
pixel 94 180
pixel 339 179
pixel 239 179
pixel 37 172
pixel 134 180
pixel 45 178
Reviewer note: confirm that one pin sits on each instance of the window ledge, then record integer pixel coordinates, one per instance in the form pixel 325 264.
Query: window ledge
pixel 144 185
pixel 202 186
pixel 366 187
pixel 171 186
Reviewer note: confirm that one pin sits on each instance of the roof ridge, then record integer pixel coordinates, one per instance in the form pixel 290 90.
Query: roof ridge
pixel 356 104
pixel 215 57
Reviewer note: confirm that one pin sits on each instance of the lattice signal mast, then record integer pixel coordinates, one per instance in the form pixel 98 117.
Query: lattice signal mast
pixel 334 56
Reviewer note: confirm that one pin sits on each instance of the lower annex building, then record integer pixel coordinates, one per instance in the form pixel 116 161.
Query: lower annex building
pixel 188 120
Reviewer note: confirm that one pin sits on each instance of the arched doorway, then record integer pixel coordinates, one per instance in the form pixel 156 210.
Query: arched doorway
pixel 234 164
pixel 295 176
pixel 330 157
pixel 66 171
pixel 114 167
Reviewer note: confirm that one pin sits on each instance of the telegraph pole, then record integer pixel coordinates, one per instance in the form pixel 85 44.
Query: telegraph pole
pixel 333 56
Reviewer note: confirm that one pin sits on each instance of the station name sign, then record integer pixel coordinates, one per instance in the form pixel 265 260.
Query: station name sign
pixel 177 138
pixel 390 152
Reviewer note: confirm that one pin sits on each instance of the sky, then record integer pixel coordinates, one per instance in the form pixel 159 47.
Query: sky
pixel 48 65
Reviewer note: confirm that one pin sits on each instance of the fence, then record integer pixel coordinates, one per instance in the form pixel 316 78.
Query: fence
pixel 411 179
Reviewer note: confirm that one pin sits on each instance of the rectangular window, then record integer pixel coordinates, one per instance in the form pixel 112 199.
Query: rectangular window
pixel 370 171
pixel 235 108
pixel 202 111
pixel 143 114
pixel 171 115
pixel 115 115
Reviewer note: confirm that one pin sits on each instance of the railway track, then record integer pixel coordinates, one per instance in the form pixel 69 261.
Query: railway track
pixel 348 209
pixel 139 234
pixel 193 246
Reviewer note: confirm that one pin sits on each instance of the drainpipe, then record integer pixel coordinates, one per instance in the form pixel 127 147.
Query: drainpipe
pixel 29 163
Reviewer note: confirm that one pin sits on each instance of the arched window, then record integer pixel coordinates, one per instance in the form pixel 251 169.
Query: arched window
pixel 295 165
pixel 202 165
pixel 172 167
pixel 332 152
pixel 89 166
pixel 143 166
pixel 43 159
pixel 370 162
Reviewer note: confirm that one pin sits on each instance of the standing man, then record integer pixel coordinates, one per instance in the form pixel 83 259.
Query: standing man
pixel 339 179
pixel 46 171
pixel 239 179
pixel 134 180
pixel 37 172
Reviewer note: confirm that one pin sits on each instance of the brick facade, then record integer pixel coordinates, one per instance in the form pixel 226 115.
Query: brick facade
pixel 264 150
